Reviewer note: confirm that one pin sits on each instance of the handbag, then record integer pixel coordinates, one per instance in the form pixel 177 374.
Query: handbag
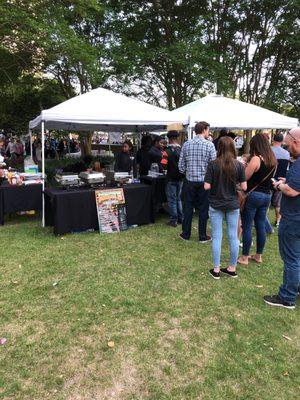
pixel 242 196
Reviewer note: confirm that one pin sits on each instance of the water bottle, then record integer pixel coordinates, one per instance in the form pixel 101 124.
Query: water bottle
pixel 154 168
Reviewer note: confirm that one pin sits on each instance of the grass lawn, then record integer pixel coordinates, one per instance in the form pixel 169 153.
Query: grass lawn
pixel 176 333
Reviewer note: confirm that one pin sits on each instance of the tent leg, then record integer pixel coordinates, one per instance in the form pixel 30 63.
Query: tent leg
pixel 31 144
pixel 189 129
pixel 109 145
pixel 43 173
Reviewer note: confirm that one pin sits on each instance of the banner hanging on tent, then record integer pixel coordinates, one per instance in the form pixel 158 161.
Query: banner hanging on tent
pixel 111 210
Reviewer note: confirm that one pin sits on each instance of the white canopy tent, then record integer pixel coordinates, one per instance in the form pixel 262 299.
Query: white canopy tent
pixel 101 109
pixel 223 112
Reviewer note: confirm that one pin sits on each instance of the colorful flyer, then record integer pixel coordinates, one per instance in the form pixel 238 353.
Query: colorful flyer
pixel 111 210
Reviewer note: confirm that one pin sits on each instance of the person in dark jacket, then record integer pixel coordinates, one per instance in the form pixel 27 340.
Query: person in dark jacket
pixel 125 161
pixel 223 132
pixel 142 156
pixel 174 179
pixel 156 152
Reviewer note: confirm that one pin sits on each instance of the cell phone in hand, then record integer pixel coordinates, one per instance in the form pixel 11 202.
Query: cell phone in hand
pixel 274 180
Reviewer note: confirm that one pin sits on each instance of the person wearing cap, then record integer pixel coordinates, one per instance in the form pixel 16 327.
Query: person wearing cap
pixel 174 178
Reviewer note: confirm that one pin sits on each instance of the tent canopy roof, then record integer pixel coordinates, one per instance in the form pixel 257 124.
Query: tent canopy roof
pixel 223 112
pixel 102 109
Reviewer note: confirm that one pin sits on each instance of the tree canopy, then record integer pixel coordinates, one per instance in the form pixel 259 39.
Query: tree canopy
pixel 167 52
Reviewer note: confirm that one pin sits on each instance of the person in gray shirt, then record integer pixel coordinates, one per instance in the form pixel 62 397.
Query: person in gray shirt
pixel 283 159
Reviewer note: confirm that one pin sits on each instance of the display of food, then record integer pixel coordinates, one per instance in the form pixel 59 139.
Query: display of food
pixel 67 179
pixel 14 178
pixel 117 178
pixel 92 178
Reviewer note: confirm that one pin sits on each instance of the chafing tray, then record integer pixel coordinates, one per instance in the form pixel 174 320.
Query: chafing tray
pixel 67 179
pixel 117 177
pixel 92 178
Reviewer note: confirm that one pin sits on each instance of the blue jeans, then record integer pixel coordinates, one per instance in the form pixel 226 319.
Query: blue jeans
pixel 173 192
pixel 195 196
pixel 232 220
pixel 256 208
pixel 289 247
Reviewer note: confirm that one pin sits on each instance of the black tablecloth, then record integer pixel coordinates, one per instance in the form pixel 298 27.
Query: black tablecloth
pixel 158 189
pixel 75 210
pixel 19 198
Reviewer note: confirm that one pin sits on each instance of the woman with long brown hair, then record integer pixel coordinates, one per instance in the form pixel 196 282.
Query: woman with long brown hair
pixel 259 172
pixel 222 177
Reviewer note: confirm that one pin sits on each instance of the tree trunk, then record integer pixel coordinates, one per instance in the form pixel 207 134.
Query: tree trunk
pixel 248 136
pixel 86 143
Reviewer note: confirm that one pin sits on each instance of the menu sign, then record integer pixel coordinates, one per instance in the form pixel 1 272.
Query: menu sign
pixel 111 210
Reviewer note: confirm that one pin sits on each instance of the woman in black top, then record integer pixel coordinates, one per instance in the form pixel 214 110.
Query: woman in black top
pixel 125 159
pixel 259 172
pixel 222 177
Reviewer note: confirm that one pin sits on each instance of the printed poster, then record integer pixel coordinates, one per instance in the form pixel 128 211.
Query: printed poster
pixel 111 210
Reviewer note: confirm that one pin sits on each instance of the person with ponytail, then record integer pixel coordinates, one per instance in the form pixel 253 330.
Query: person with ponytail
pixel 222 177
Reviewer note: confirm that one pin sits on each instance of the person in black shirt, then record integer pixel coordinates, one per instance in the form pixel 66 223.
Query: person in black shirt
pixel 142 156
pixel 125 159
pixel 155 153
pixel 223 133
pixel 174 179
pixel 222 177
pixel 259 172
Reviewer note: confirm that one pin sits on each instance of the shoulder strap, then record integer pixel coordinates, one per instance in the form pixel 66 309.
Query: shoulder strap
pixel 265 178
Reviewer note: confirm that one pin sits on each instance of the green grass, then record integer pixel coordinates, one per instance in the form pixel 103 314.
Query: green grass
pixel 177 333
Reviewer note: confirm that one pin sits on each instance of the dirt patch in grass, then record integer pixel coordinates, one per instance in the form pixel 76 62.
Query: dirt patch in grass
pixel 114 382
pixel 33 330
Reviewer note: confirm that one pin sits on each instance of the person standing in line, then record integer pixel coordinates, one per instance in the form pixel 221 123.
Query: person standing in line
pixel 283 160
pixel 223 133
pixel 222 177
pixel 289 228
pixel 259 172
pixel 194 158
pixel 174 179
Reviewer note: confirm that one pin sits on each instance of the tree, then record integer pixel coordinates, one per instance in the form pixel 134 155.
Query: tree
pixel 168 52
pixel 158 51
pixel 25 99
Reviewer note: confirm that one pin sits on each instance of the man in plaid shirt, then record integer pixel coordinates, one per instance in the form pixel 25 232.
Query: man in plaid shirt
pixel 194 158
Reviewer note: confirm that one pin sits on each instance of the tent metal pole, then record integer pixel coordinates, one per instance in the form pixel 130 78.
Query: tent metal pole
pixel 189 129
pixel 31 144
pixel 43 173
pixel 109 145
